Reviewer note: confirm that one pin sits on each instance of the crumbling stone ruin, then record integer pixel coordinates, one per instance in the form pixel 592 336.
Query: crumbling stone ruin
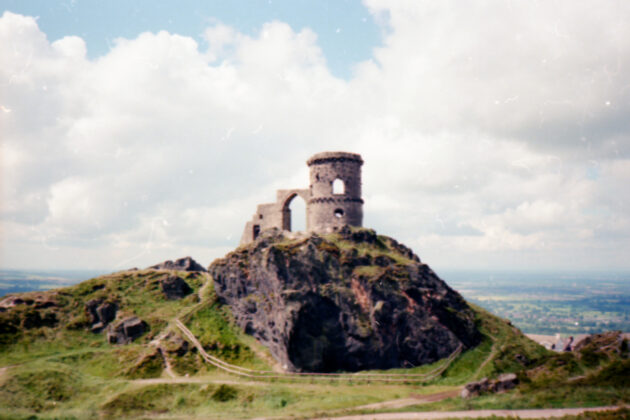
pixel 333 198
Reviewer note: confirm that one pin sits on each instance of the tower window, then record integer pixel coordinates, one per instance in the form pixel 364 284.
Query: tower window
pixel 338 187
pixel 338 213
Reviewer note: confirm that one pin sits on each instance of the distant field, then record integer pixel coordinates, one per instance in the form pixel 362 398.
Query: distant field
pixel 550 303
pixel 537 303
pixel 17 281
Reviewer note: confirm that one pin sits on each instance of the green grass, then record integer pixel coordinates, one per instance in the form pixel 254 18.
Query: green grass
pixel 137 293
pixel 214 327
pixel 555 397
pixel 64 371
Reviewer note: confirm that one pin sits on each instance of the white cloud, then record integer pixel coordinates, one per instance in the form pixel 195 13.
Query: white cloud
pixel 494 134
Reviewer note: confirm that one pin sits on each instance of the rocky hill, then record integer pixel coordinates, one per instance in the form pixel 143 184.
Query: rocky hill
pixel 348 301
pixel 114 346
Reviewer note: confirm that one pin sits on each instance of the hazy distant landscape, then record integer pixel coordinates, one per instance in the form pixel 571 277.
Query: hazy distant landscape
pixel 537 303
pixel 550 303
pixel 18 281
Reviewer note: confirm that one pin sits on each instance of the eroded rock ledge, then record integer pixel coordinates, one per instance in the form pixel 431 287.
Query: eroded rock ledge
pixel 346 301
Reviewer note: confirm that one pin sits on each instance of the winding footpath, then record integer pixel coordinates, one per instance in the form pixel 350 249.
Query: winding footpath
pixel 363 377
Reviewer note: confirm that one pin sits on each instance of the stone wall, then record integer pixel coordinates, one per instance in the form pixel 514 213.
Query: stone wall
pixel 325 210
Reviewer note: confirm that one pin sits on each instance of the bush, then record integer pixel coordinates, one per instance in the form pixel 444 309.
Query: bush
pixel 224 393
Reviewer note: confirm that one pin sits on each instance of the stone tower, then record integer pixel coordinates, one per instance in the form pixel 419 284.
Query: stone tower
pixel 333 198
pixel 335 191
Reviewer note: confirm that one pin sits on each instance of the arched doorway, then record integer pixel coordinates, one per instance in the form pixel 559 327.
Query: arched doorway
pixel 294 214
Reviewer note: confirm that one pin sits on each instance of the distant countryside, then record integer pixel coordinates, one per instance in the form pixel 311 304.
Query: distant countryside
pixel 550 303
pixel 537 303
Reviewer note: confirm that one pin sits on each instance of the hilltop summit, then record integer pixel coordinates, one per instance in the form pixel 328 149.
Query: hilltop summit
pixel 349 300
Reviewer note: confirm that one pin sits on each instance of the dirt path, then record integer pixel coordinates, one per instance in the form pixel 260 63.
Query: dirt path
pixel 413 400
pixel 524 414
pixel 187 380
pixel 493 352
pixel 202 289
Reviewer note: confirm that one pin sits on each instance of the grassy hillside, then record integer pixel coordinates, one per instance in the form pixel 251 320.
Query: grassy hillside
pixel 52 366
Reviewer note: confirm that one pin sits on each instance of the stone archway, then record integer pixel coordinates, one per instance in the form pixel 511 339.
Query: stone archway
pixel 286 197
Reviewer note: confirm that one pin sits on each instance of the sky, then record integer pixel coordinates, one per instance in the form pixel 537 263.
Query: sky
pixel 495 134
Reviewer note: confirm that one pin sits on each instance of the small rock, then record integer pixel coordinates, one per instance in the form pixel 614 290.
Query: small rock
pixel 127 330
pixel 98 327
pixel 176 345
pixel 505 382
pixel 522 359
pixel 475 388
pixel 174 287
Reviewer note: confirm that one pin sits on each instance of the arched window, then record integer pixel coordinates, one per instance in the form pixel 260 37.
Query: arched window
pixel 338 213
pixel 338 187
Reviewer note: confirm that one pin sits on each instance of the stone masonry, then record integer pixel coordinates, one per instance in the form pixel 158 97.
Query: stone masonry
pixel 333 198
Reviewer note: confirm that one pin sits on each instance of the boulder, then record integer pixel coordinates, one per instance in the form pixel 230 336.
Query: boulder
pixel 504 382
pixel 176 345
pixel 127 330
pixel 347 301
pixel 100 313
pixel 182 264
pixel 522 359
pixel 174 287
pixel 475 388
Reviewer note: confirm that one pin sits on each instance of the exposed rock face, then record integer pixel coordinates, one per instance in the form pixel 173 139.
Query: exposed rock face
pixel 100 313
pixel 127 330
pixel 182 264
pixel 347 301
pixel 174 287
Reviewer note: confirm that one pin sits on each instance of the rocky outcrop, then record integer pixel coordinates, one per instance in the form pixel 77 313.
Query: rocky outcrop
pixel 174 287
pixel 347 301
pixel 175 345
pixel 100 313
pixel 182 264
pixel 503 383
pixel 38 301
pixel 610 342
pixel 36 319
pixel 127 330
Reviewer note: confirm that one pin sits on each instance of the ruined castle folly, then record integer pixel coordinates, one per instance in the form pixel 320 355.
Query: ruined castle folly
pixel 333 198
